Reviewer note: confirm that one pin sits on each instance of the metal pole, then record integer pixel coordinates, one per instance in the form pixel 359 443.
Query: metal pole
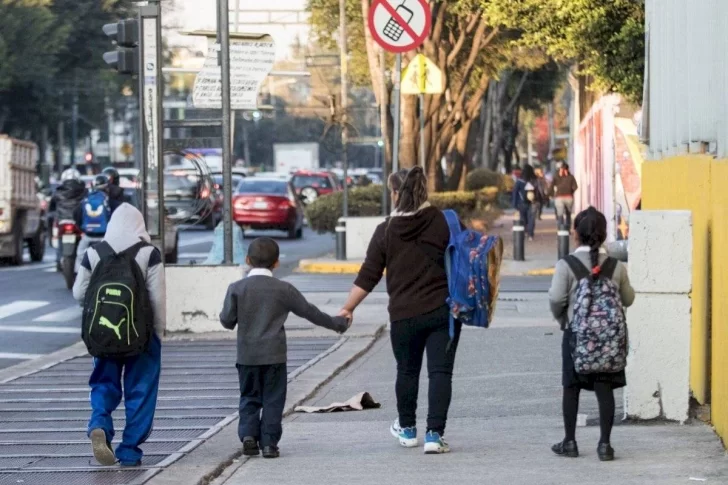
pixel 383 107
pixel 397 108
pixel 141 152
pixel 519 238
pixel 158 128
pixel 344 100
pixel 422 131
pixel 74 129
pixel 246 143
pixel 563 241
pixel 227 174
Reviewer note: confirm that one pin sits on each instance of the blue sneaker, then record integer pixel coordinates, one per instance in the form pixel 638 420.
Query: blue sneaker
pixel 407 436
pixel 435 444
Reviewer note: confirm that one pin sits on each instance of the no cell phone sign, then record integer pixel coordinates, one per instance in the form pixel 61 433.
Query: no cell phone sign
pixel 400 25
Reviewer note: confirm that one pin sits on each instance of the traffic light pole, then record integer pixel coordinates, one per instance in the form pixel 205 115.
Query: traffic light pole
pixel 150 122
pixel 227 167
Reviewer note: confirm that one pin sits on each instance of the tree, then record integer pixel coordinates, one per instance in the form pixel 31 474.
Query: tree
pixel 30 39
pixel 605 38
pixel 464 46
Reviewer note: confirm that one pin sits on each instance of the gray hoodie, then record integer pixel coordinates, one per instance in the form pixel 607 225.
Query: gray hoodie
pixel 125 229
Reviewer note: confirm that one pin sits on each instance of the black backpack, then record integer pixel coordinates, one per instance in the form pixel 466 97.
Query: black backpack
pixel 117 316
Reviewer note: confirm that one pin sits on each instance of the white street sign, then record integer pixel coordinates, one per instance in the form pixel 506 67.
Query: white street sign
pixel 250 64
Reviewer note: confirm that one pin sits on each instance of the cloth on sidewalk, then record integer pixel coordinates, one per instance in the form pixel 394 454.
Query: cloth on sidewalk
pixel 360 402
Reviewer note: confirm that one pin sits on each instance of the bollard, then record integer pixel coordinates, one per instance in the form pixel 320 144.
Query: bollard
pixel 519 239
pixel 341 240
pixel 563 237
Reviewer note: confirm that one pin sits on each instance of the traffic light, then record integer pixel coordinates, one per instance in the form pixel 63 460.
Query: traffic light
pixel 125 34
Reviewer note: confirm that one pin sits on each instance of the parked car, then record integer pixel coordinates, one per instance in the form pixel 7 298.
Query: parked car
pixel 312 185
pixel 189 197
pixel 218 185
pixel 268 204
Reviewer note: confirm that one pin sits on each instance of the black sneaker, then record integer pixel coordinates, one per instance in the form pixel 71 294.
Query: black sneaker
pixel 250 446
pixel 102 449
pixel 271 452
pixel 566 448
pixel 605 452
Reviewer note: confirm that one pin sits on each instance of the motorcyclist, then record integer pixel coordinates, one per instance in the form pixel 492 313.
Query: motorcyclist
pixel 66 202
pixel 95 216
pixel 116 193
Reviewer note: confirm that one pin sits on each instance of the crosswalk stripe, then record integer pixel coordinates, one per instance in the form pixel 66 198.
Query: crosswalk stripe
pixel 38 329
pixel 28 267
pixel 66 315
pixel 16 356
pixel 19 307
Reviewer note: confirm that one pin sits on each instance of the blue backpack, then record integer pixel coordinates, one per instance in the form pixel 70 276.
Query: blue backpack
pixel 96 213
pixel 472 262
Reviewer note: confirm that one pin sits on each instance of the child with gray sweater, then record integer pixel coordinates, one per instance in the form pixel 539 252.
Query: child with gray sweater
pixel 259 306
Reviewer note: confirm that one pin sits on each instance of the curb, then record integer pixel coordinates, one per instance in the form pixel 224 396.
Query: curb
pixel 328 267
pixel 541 272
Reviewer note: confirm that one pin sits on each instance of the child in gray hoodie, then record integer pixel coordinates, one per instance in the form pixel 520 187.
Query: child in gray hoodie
pixel 140 373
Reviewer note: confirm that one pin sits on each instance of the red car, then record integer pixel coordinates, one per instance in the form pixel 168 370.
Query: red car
pixel 268 204
pixel 311 185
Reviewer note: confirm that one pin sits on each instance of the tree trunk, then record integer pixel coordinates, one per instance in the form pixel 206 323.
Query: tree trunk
pixel 408 135
pixel 498 113
pixel 487 123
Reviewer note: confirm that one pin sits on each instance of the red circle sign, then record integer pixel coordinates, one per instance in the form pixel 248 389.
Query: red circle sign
pixel 400 25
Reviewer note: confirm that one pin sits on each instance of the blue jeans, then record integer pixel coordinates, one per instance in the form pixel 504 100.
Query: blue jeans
pixel 529 214
pixel 140 389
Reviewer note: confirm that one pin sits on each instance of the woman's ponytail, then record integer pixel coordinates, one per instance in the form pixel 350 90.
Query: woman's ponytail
pixel 413 192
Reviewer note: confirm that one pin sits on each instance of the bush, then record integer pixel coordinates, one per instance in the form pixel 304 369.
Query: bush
pixel 481 178
pixel 325 212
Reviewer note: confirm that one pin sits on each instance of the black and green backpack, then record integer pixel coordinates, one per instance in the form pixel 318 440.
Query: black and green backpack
pixel 117 316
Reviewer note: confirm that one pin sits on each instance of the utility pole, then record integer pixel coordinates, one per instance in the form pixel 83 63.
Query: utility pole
pixel 110 122
pixel 227 174
pixel 344 100
pixel 383 107
pixel 61 138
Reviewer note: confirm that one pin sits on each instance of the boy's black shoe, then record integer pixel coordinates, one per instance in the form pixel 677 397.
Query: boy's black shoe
pixel 102 449
pixel 566 448
pixel 250 446
pixel 605 452
pixel 271 452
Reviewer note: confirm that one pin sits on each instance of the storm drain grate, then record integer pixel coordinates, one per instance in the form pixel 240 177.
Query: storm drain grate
pixel 110 477
pixel 43 416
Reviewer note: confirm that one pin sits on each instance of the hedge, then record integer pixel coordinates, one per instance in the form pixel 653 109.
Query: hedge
pixel 324 213
pixel 481 178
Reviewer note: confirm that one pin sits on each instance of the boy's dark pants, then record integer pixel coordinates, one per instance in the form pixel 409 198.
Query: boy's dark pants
pixel 262 387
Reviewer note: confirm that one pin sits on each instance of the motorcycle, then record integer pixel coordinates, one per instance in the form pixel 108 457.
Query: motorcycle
pixel 69 235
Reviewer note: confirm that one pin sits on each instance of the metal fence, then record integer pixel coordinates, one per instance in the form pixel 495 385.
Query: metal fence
pixel 687 79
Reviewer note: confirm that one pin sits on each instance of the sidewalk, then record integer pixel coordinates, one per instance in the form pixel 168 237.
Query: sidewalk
pixel 541 253
pixel 504 417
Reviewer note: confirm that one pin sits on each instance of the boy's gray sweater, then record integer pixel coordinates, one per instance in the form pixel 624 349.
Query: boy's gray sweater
pixel 259 305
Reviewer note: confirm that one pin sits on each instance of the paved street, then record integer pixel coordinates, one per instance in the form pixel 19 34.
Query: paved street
pixel 38 314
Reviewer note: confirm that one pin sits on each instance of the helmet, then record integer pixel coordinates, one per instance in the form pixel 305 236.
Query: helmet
pixel 112 174
pixel 70 174
pixel 101 181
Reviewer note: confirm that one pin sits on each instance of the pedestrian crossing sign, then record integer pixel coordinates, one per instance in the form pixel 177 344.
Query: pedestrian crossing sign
pixel 422 76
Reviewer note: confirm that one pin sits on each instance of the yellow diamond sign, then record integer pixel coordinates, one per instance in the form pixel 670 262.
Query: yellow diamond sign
pixel 422 76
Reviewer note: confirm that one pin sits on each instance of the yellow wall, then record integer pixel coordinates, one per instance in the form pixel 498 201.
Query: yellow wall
pixel 719 305
pixel 684 183
pixel 699 183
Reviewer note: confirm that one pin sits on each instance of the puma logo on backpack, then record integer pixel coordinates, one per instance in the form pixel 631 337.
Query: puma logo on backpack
pixel 117 316
pixel 599 328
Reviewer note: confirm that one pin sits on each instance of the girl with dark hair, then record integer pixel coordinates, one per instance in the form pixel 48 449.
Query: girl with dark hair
pixel 591 233
pixel 411 245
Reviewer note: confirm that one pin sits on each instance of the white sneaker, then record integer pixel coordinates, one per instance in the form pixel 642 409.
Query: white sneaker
pixel 407 436
pixel 435 444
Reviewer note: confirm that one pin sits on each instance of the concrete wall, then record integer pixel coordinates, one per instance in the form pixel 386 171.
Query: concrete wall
pixel 660 268
pixel 195 295
pixel 683 183
pixel 719 297
pixel 359 231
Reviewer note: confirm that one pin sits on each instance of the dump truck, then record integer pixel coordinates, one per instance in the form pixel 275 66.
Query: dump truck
pixel 21 207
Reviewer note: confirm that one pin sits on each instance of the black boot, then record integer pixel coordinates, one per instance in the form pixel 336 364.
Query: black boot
pixel 250 446
pixel 271 452
pixel 566 448
pixel 605 452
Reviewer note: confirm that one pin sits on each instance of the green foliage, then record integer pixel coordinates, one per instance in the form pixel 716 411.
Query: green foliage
pixel 324 213
pixel 481 178
pixel 605 37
